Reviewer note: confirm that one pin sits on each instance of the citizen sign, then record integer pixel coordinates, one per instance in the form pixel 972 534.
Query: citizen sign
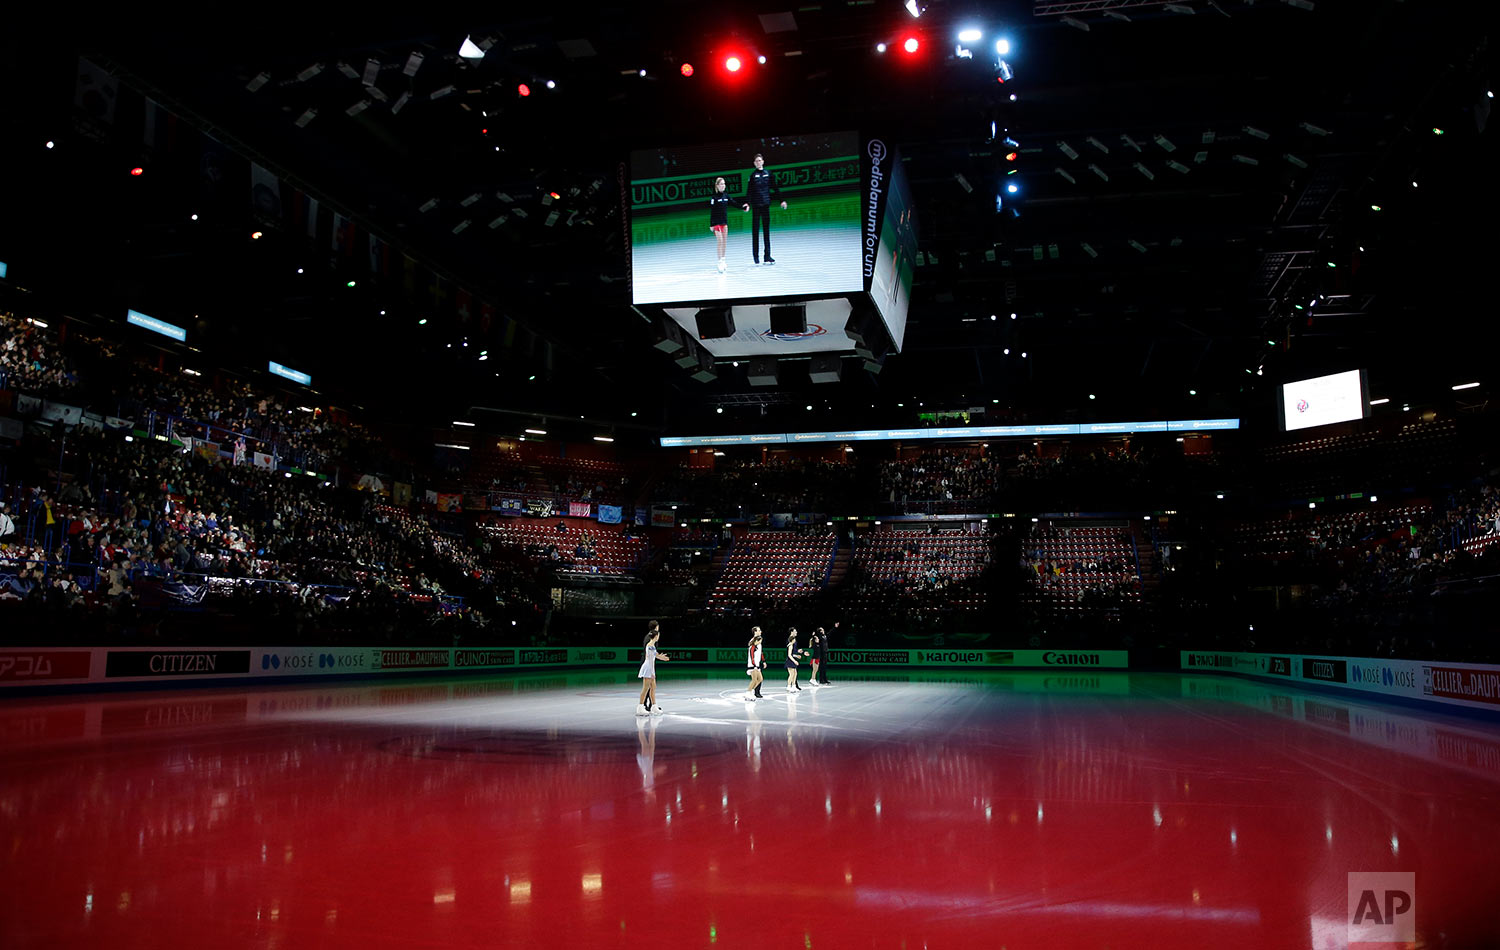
pixel 1070 659
pixel 179 663
pixel 877 153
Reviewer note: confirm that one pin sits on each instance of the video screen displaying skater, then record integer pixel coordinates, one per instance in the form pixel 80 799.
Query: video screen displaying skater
pixel 768 217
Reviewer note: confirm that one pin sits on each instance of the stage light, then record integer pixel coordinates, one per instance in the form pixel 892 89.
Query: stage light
pixel 913 8
pixel 1374 207
pixel 468 50
pixel 1002 47
pixel 970 35
pixel 52 144
pixel 687 69
pixel 193 217
pixel 349 284
pixel 137 171
pixel 911 44
pixel 1012 97
pixel 761 59
pixel 1012 189
pixel 1436 131
pixel 255 235
pixel 879 48
pixel 732 64
pixel 524 90
pixel 552 84
pixel 422 322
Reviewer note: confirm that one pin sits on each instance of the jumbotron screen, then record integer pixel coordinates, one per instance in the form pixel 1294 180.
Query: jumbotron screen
pixel 1323 400
pixel 707 221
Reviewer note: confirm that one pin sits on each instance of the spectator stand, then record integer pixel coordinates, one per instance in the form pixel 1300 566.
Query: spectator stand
pixel 1082 568
pixel 772 565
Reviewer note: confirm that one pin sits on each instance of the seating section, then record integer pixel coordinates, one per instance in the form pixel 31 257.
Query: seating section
pixel 562 479
pixel 911 562
pixel 607 550
pixel 916 557
pixel 1288 539
pixel 772 565
pixel 1321 464
pixel 1078 569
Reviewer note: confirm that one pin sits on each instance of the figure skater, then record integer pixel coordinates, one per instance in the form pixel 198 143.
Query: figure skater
pixel 718 218
pixel 761 188
pixel 754 661
pixel 827 648
pixel 791 661
pixel 818 648
pixel 647 673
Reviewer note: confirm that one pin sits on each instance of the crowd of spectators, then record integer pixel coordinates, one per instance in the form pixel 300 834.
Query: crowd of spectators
pixel 153 522
pixel 940 476
pixel 736 486
pixel 31 361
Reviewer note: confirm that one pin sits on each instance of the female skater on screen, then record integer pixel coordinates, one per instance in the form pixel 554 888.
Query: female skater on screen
pixel 754 660
pixel 718 218
pixel 791 661
pixel 648 671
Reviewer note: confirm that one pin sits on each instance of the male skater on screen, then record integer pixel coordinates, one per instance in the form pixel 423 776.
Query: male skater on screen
pixel 758 202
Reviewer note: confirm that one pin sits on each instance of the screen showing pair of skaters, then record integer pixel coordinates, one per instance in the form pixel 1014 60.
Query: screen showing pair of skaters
pixel 798 195
pixel 760 190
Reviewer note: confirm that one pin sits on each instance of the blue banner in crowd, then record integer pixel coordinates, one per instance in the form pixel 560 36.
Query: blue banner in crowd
pixel 609 514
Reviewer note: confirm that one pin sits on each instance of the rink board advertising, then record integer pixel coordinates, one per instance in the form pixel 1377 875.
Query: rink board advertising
pixel 42 666
pixel 1474 685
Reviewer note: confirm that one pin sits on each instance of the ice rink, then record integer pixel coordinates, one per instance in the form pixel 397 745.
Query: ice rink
pixel 1048 809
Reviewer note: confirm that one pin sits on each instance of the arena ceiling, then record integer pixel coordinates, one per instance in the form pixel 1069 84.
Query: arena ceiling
pixel 1192 178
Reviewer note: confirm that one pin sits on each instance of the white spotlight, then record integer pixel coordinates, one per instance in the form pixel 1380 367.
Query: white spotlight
pixel 1002 47
pixel 470 51
pixel 912 8
pixel 970 35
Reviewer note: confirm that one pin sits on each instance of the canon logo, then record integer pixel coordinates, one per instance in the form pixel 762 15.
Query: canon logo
pixel 1070 659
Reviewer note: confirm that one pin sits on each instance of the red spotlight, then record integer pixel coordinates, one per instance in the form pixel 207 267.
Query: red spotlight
pixel 911 44
pixel 733 64
pixel 555 195
pixel 687 69
pixel 1010 157
pixel 137 171
pixel 524 90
